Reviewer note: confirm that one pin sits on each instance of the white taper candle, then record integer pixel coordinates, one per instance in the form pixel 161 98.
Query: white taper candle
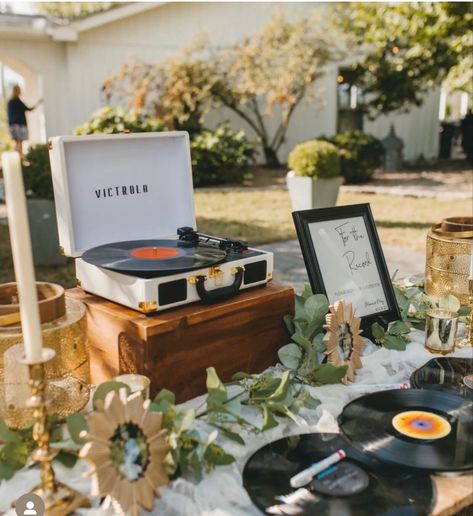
pixel 471 263
pixel 22 255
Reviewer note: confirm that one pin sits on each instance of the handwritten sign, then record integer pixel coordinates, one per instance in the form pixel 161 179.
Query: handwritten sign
pixel 348 265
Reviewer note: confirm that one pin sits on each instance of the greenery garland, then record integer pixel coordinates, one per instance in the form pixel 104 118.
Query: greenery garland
pixel 273 394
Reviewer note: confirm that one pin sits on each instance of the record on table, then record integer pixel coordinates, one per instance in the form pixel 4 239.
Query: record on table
pixel 417 428
pixel 448 374
pixel 356 486
pixel 149 258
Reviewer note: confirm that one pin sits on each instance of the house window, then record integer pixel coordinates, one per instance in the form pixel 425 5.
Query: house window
pixel 350 102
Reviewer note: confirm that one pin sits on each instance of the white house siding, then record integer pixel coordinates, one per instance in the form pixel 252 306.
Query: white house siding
pixel 74 71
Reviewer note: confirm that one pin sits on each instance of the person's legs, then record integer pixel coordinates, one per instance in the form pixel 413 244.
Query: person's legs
pixel 19 147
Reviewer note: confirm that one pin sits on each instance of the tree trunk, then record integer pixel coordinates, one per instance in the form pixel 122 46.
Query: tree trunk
pixel 271 157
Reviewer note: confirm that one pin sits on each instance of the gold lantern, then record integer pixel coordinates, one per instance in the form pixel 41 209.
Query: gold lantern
pixel 64 329
pixel 448 262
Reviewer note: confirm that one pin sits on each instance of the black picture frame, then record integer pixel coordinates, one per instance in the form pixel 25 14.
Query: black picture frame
pixel 311 252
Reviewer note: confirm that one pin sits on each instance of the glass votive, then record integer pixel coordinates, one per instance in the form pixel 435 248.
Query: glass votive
pixel 136 382
pixel 440 330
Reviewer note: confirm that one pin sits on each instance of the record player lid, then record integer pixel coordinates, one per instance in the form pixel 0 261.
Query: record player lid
pixel 111 188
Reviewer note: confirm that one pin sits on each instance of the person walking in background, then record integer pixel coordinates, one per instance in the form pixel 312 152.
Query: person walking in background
pixel 16 109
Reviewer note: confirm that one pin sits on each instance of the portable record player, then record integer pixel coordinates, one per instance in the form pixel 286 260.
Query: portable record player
pixel 125 211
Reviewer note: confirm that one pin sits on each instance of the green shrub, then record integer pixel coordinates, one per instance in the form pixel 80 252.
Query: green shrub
pixel 360 154
pixel 110 120
pixel 315 158
pixel 220 156
pixel 37 172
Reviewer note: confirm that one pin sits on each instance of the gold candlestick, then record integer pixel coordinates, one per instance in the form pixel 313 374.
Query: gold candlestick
pixel 58 498
pixel 468 339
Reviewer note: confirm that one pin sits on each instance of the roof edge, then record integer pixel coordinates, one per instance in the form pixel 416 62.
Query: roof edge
pixel 112 15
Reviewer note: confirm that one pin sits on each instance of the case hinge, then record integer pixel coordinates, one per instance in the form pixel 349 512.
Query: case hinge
pixel 50 144
pixel 147 306
pixel 61 251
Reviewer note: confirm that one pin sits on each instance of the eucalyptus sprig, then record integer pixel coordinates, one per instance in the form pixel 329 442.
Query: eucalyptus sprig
pixel 414 303
pixel 306 330
pixel 17 445
pixel 395 337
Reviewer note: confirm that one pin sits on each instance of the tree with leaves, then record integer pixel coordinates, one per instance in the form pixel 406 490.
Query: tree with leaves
pixel 261 79
pixel 69 11
pixel 408 48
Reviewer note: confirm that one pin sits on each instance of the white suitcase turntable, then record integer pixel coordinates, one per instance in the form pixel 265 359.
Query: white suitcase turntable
pixel 125 210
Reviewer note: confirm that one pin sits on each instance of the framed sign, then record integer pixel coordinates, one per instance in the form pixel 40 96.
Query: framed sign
pixel 344 260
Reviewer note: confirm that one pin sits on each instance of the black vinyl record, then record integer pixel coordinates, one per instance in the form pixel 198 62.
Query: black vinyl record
pixel 448 374
pixel 423 429
pixel 356 486
pixel 149 258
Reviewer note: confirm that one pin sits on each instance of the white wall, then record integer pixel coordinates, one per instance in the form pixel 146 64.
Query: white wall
pixel 41 63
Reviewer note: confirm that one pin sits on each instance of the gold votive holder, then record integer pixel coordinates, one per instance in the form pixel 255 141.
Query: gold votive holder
pixel 440 330
pixel 136 383
pixel 68 373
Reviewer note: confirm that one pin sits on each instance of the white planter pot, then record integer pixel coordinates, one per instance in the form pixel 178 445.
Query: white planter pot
pixel 307 193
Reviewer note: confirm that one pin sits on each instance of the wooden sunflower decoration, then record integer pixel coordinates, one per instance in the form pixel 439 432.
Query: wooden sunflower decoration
pixel 127 449
pixel 343 341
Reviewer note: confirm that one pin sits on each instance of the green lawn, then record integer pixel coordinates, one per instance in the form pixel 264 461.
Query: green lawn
pixel 265 216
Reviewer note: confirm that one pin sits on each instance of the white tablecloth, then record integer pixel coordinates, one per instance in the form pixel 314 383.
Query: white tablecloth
pixel 221 492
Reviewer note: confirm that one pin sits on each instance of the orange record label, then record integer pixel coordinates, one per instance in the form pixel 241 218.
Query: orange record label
pixel 154 253
pixel 421 425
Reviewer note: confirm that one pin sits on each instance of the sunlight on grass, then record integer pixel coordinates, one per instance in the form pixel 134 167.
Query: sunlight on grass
pixel 264 216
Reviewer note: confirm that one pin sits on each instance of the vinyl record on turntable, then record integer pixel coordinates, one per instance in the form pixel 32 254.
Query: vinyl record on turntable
pixel 150 258
pixel 422 429
pixel 448 374
pixel 356 486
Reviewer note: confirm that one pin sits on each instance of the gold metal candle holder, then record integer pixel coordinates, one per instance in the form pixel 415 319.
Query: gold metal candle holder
pixel 468 339
pixel 58 498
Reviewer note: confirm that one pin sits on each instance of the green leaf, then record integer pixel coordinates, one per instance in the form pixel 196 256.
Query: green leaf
pixel 394 342
pixel 217 393
pixel 398 328
pixel 76 423
pixel 15 455
pixel 6 471
pixel 290 355
pixel 299 310
pixel 269 421
pixel 6 435
pixel 241 376
pixel 104 388
pixel 378 331
pixel 307 292
pixel 450 303
pixel 230 435
pixel 184 419
pixel 216 455
pixel 281 391
pixel 281 408
pixel 66 458
pixel 316 306
pixel 318 343
pixel 310 402
pixel 303 342
pixel 325 374
pixel 289 322
pixel 165 398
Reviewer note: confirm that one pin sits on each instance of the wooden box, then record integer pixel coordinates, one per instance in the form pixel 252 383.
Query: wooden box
pixel 174 348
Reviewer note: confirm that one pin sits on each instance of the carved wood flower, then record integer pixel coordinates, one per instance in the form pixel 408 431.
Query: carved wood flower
pixel 127 449
pixel 342 340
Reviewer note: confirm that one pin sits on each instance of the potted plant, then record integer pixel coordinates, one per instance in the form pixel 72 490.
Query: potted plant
pixel 314 177
pixel 40 203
